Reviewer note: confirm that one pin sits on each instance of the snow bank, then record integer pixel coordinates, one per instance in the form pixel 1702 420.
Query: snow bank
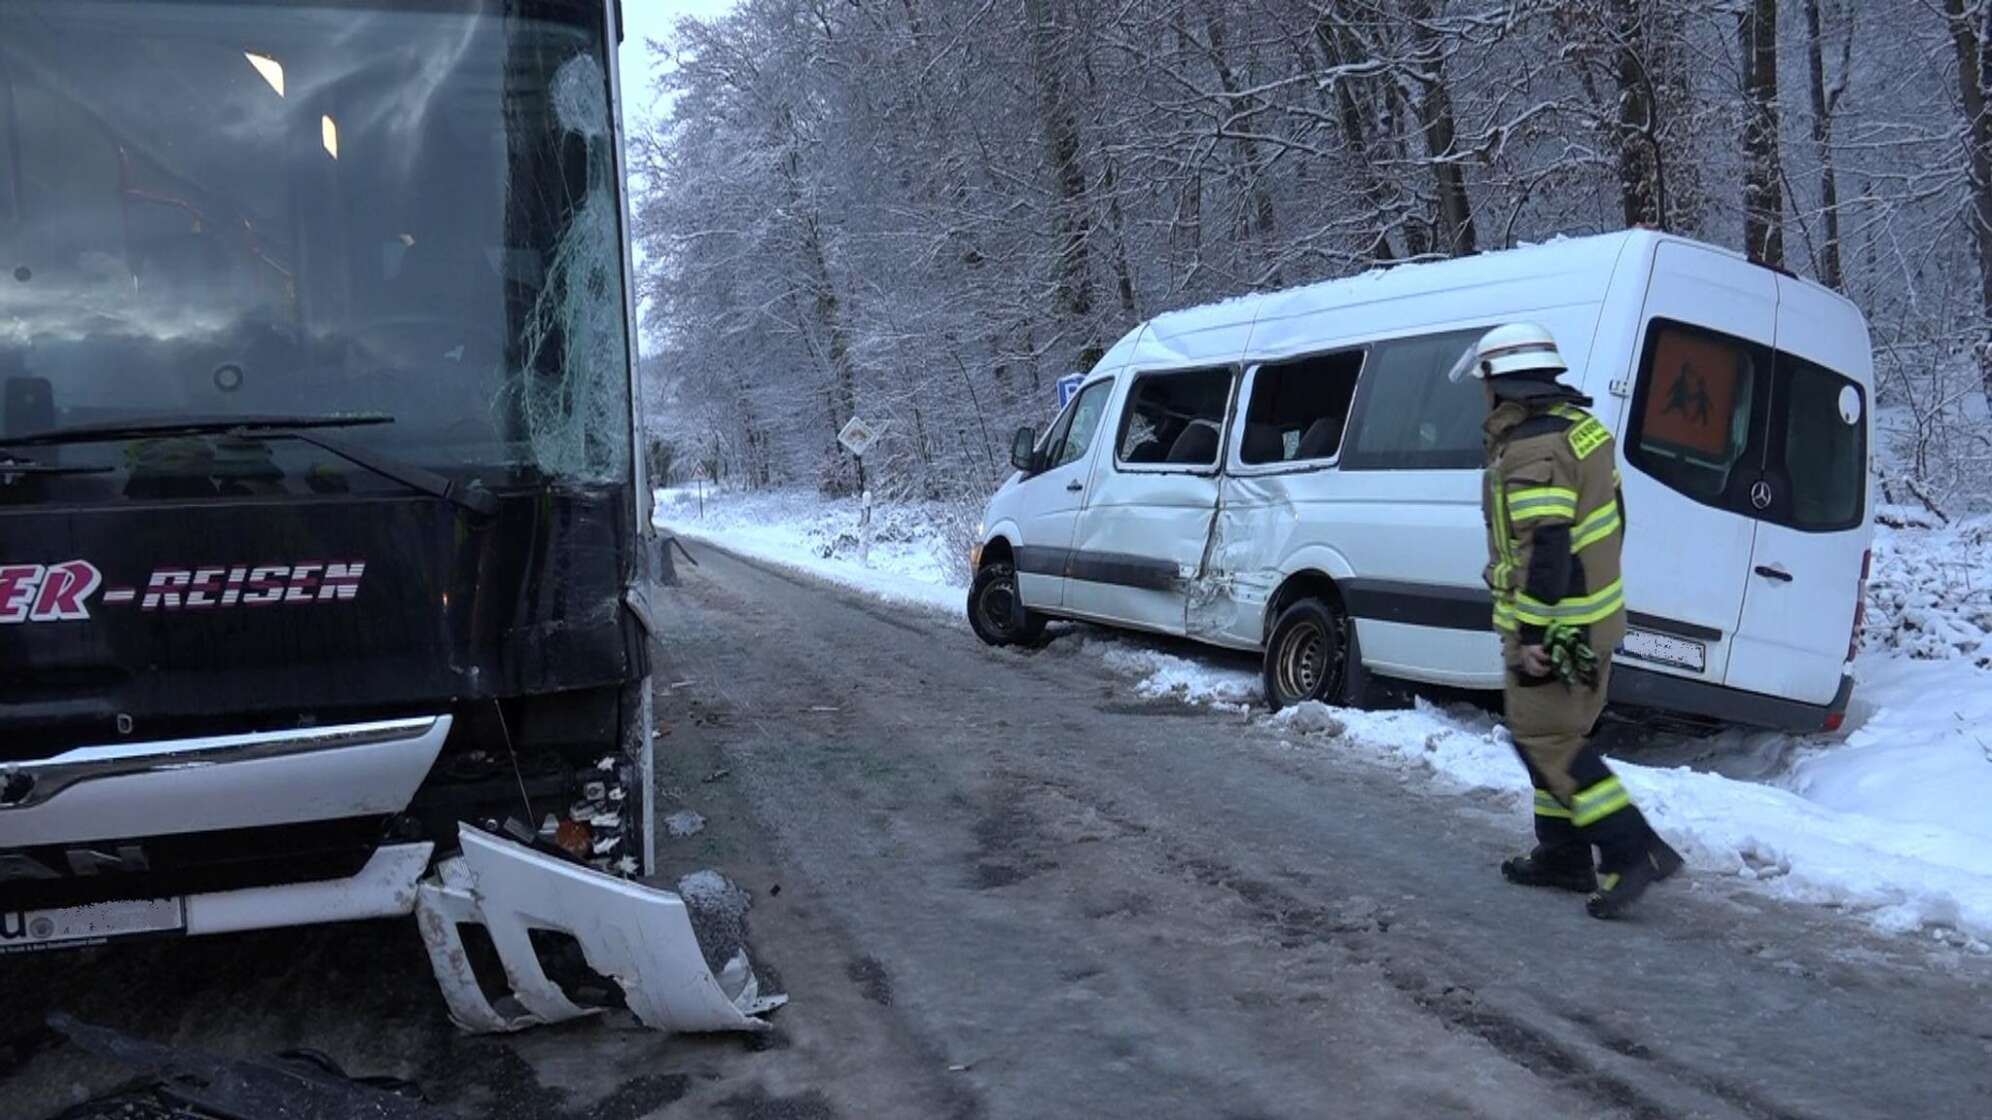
pixel 910 559
pixel 1160 675
pixel 1930 593
pixel 1900 874
pixel 1893 821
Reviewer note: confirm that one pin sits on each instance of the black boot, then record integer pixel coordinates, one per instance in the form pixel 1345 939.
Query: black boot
pixel 1618 890
pixel 1567 868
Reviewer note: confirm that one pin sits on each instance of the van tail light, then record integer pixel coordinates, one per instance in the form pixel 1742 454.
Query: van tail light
pixel 1860 605
pixel 1834 720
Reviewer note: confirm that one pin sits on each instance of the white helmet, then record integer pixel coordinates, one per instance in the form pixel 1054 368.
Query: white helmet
pixel 1511 349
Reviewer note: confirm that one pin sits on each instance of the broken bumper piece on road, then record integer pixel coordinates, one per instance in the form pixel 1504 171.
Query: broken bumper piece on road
pixel 637 936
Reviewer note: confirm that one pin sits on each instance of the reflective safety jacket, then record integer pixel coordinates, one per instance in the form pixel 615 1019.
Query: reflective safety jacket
pixel 1555 521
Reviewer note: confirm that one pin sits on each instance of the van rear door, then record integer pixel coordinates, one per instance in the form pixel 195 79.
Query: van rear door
pixel 1810 501
pixel 1704 367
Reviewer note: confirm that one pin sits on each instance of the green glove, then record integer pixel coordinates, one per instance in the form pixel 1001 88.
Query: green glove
pixel 1570 656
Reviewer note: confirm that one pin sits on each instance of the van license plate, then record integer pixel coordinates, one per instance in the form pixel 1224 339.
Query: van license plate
pixel 76 926
pixel 1665 649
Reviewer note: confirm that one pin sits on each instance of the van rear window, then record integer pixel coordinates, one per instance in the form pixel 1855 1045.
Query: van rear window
pixel 1697 390
pixel 1819 443
pixel 1762 433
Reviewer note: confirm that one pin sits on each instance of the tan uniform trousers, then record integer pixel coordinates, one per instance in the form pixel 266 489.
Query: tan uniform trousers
pixel 1551 723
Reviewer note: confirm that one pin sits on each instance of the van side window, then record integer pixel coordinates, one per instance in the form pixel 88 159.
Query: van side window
pixel 1175 419
pixel 1083 423
pixel 1300 409
pixel 1692 409
pixel 1410 415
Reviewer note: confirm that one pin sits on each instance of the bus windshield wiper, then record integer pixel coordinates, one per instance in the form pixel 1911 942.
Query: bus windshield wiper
pixel 111 431
pixel 300 428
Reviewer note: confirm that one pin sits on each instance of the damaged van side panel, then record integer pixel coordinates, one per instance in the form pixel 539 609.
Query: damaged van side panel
pixel 1394 510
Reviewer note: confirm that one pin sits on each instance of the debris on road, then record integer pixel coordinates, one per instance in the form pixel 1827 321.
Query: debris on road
pixel 191 1085
pixel 684 823
pixel 639 937
pixel 717 775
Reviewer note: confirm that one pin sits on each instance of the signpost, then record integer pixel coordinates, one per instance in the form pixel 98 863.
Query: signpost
pixel 857 438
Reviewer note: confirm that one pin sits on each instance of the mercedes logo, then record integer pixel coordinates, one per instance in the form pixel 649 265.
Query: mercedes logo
pixel 1760 494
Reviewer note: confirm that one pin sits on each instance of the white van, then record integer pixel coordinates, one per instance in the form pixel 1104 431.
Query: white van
pixel 1301 455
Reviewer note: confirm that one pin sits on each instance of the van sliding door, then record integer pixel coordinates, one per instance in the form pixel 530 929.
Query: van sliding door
pixel 1141 534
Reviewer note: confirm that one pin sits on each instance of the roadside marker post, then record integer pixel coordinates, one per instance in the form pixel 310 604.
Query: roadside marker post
pixel 857 438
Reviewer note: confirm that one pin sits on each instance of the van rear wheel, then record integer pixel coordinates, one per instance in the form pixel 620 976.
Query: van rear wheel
pixel 1307 654
pixel 994 610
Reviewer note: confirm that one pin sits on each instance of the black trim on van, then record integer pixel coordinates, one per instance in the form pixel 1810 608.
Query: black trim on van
pixel 1118 568
pixel 1419 604
pixel 1653 623
pixel 1644 688
pixel 1039 560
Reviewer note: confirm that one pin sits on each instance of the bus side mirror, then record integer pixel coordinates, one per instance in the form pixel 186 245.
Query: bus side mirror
pixel 1023 449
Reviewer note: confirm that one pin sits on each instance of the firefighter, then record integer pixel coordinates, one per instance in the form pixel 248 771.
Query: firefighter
pixel 1555 525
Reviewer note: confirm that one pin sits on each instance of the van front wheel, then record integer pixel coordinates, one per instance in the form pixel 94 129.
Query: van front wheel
pixel 994 612
pixel 1307 654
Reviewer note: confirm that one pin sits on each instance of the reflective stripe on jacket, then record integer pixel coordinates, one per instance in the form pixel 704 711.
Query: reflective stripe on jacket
pixel 1555 522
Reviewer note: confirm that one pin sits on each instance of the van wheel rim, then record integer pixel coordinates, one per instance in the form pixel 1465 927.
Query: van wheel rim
pixel 1301 662
pixel 997 602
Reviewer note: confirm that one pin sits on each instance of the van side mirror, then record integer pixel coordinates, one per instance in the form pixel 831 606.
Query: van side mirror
pixel 1023 449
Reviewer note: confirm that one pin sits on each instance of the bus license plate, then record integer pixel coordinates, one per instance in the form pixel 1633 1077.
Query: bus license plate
pixel 75 926
pixel 1665 649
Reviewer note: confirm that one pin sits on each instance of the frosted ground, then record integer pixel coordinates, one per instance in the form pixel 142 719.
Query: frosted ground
pixel 1887 819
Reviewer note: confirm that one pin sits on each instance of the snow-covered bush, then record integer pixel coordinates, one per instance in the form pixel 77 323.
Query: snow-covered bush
pixel 1930 594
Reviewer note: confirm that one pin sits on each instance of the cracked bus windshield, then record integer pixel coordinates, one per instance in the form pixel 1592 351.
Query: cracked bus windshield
pixel 307 210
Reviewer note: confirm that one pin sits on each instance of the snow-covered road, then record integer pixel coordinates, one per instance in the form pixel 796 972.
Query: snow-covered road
pixel 1886 820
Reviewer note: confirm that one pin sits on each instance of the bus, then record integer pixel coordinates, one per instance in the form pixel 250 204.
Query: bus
pixel 324 546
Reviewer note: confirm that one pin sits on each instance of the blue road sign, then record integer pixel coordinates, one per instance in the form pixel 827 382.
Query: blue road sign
pixel 1068 385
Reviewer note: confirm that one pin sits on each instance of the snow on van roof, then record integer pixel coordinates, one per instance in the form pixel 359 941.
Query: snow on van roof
pixel 1569 259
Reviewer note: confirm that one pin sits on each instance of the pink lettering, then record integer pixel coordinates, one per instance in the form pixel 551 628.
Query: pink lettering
pixel 162 591
pixel 17 591
pixel 63 590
